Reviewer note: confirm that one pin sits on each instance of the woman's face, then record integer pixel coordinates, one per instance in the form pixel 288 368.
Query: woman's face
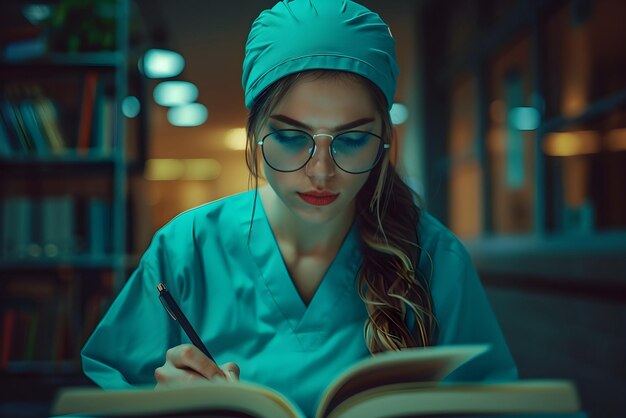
pixel 321 191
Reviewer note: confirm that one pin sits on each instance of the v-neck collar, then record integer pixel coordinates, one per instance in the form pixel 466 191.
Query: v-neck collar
pixel 338 280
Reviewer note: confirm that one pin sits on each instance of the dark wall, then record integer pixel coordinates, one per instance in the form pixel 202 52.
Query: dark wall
pixel 573 337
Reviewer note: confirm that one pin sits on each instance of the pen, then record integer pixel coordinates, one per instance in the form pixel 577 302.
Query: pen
pixel 177 315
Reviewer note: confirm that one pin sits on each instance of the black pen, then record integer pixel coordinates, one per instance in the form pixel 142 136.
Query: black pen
pixel 172 308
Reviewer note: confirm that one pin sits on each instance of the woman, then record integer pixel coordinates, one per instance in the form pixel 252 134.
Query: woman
pixel 290 283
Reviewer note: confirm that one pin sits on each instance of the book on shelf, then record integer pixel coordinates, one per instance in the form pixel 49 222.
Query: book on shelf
pixel 58 237
pixel 98 226
pixel 25 49
pixel 28 311
pixel 48 116
pixel 6 147
pixel 30 122
pixel 20 38
pixel 36 123
pixel 17 229
pixel 8 326
pixel 21 324
pixel 393 384
pixel 103 123
pixel 88 105
pixel 33 128
pixel 44 323
pixel 15 129
pixel 55 226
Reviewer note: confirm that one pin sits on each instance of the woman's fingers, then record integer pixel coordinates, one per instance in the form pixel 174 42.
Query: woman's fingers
pixel 167 374
pixel 231 370
pixel 186 363
pixel 188 356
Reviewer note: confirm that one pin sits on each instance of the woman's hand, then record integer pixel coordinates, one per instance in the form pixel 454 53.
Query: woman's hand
pixel 186 363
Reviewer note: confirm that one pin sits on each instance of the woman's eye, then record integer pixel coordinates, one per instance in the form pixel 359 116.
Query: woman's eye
pixel 353 140
pixel 290 136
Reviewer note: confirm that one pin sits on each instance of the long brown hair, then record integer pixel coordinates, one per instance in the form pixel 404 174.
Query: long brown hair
pixel 387 217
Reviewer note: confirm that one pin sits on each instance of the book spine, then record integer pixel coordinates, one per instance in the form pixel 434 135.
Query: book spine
pixel 4 237
pixel 17 227
pixel 87 112
pixel 98 133
pixel 47 114
pixel 14 95
pixel 31 334
pixel 33 128
pixel 57 230
pixel 9 317
pixel 98 224
pixel 16 132
pixel 6 147
pixel 23 49
pixel 108 128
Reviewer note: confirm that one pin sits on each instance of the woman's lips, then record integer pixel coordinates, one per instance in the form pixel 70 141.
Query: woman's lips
pixel 319 198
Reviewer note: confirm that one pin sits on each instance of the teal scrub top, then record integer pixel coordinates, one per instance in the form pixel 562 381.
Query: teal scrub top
pixel 242 302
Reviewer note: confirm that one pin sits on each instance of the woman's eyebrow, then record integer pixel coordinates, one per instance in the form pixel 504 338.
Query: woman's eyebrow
pixel 345 126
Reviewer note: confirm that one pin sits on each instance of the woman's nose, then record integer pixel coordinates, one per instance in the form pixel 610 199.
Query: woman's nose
pixel 321 163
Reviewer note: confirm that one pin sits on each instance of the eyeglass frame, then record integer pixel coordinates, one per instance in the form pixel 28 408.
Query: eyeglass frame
pixel 385 147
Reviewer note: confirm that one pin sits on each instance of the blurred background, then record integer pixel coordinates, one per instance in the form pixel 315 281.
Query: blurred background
pixel 116 115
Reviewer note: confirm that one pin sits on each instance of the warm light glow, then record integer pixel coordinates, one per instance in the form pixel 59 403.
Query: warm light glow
pixel 399 114
pixel 202 169
pixel 185 169
pixel 175 93
pixel 616 140
pixel 574 104
pixel 164 169
pixel 235 139
pixel 161 63
pixel 567 144
pixel 577 57
pixel 524 118
pixel 497 110
pixel 131 106
pixel 193 114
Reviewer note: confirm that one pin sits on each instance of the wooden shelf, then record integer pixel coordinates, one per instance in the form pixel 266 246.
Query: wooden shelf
pixel 75 262
pixel 84 59
pixel 130 261
pixel 39 367
pixel 70 158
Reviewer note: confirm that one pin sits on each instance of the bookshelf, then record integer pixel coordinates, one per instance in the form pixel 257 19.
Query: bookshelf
pixel 63 207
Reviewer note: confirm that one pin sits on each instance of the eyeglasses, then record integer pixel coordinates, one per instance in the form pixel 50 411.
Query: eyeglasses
pixel 354 152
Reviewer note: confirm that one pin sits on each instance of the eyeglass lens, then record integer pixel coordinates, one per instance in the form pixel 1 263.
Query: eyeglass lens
pixel 290 150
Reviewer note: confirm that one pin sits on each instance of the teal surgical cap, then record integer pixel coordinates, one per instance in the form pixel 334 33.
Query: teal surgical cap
pixel 300 35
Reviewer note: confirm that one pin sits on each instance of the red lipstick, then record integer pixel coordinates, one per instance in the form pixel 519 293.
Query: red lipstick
pixel 319 198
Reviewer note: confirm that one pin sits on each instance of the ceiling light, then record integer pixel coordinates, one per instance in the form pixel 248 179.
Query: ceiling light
pixel 161 63
pixel 524 118
pixel 175 93
pixel 192 114
pixel 399 113
pixel 131 106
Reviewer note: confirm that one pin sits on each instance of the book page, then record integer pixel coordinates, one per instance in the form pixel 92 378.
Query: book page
pixel 430 364
pixel 417 399
pixel 246 398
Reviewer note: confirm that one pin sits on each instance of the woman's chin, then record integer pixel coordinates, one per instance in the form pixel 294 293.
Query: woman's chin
pixel 313 214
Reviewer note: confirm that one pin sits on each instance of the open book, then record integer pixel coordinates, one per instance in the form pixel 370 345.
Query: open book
pixel 405 383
